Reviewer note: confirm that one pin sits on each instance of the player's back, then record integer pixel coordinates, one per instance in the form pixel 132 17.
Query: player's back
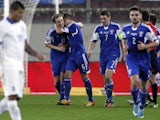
pixel 153 28
pixel 75 39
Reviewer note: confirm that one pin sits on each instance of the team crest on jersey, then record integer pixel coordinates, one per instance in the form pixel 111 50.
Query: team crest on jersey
pixel 128 32
pixel 141 33
pixel 100 32
pixel 111 31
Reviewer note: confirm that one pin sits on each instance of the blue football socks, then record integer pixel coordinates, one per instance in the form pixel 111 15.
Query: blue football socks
pixel 134 93
pixel 67 88
pixel 88 87
pixel 109 89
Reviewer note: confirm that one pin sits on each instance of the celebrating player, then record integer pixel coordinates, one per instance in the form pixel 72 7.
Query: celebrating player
pixel 13 41
pixel 146 20
pixel 108 33
pixel 77 59
pixel 135 45
pixel 58 55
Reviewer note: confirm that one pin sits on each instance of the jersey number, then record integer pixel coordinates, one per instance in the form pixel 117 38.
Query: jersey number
pixel 133 40
pixel 106 37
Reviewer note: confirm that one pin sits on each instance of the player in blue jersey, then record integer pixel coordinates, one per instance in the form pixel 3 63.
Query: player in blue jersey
pixel 77 59
pixel 134 45
pixel 151 21
pixel 107 32
pixel 58 55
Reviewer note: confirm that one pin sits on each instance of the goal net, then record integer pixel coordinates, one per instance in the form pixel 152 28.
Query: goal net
pixel 30 6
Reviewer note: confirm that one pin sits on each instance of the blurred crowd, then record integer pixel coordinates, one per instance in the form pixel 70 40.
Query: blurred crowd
pixel 90 14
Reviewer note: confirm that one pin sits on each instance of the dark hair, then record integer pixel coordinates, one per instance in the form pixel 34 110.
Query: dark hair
pixel 145 15
pixel 107 13
pixel 16 5
pixel 67 16
pixel 135 8
pixel 153 18
pixel 55 16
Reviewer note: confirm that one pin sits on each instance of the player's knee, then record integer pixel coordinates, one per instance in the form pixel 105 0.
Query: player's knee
pixel 57 79
pixel 68 74
pixel 84 76
pixel 108 80
pixel 12 97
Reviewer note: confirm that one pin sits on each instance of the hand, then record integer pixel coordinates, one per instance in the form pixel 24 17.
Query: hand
pixel 158 53
pixel 61 47
pixel 40 57
pixel 125 49
pixel 123 58
pixel 80 24
pixel 141 46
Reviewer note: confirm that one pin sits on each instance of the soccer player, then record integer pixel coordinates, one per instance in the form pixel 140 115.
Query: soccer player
pixel 146 18
pixel 58 55
pixel 77 59
pixel 152 51
pixel 13 42
pixel 135 44
pixel 107 32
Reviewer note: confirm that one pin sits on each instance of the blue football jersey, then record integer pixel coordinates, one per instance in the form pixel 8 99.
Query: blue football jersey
pixel 55 39
pixel 75 39
pixel 133 35
pixel 109 44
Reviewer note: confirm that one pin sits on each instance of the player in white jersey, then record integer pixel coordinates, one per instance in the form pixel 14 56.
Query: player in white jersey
pixel 13 42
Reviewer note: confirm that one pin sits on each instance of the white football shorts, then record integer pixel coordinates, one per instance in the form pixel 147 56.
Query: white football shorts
pixel 13 82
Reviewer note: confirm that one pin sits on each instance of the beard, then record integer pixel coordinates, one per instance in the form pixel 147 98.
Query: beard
pixel 135 22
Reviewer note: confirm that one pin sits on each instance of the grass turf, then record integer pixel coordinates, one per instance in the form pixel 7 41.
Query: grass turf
pixel 45 108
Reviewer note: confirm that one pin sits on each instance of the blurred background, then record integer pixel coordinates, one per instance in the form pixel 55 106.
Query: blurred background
pixel 85 11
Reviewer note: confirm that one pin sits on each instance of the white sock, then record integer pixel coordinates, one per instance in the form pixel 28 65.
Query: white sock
pixel 3 105
pixel 14 110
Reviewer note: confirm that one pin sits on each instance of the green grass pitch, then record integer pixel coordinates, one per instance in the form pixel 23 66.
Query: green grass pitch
pixel 45 108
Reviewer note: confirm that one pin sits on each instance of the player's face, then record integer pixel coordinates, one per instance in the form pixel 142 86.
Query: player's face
pixel 66 21
pixel 135 16
pixel 105 20
pixel 59 22
pixel 17 15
